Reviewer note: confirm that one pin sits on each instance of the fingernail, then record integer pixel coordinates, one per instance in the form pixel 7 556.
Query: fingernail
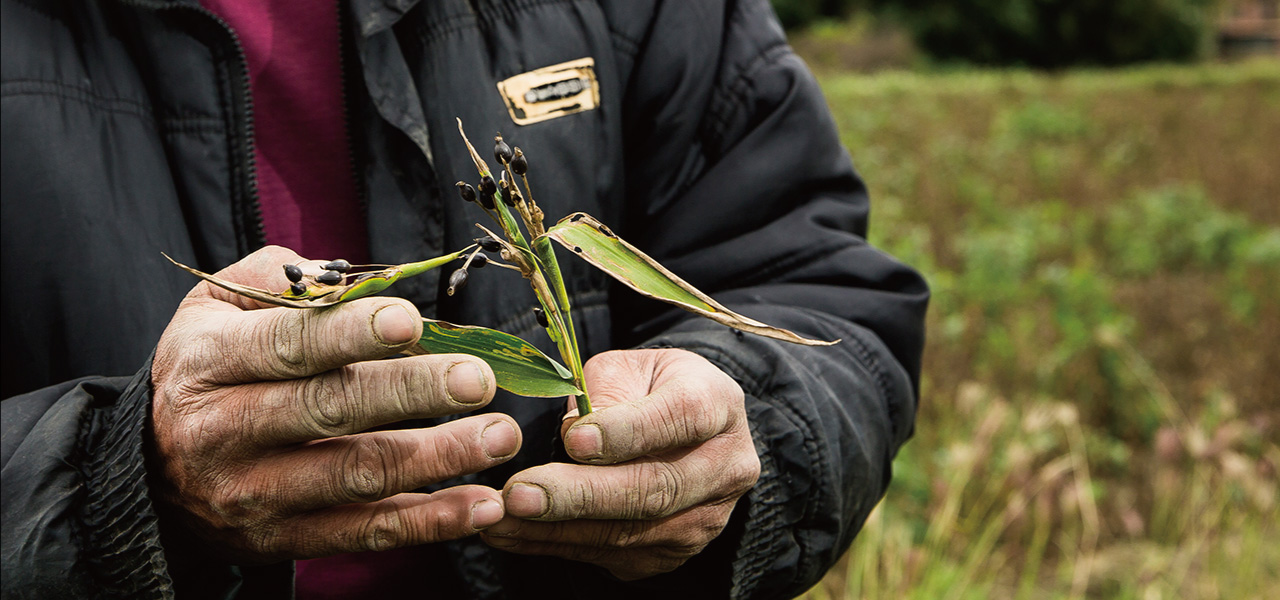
pixel 499 440
pixel 572 414
pixel 528 501
pixel 393 325
pixel 584 442
pixel 466 382
pixel 485 513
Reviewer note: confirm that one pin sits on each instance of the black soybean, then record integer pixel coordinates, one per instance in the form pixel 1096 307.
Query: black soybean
pixel 467 192
pixel 293 272
pixel 457 281
pixel 541 317
pixel 339 265
pixel 480 261
pixel 329 277
pixel 298 288
pixel 489 244
pixel 519 164
pixel 501 151
pixel 488 185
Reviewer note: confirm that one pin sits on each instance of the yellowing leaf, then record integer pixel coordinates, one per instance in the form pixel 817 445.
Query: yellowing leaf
pixel 594 242
pixel 519 366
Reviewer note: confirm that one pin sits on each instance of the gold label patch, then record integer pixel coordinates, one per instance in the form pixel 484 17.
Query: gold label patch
pixel 551 92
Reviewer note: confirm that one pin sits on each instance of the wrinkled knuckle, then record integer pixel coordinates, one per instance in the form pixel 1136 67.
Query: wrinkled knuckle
pixel 700 417
pixel 705 529
pixel 744 473
pixel 625 534
pixel 239 503
pixel 325 402
pixel 263 541
pixel 671 557
pixel 364 472
pixel 383 531
pixel 285 343
pixel 660 493
pixel 455 454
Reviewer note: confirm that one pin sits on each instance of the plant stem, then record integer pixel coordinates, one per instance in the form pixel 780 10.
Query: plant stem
pixel 546 255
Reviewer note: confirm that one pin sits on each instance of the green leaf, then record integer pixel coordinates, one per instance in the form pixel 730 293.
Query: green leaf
pixel 594 242
pixel 519 366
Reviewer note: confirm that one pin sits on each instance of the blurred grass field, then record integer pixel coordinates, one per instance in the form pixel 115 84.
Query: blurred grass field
pixel 1101 395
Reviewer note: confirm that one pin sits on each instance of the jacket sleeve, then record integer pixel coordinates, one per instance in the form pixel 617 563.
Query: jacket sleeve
pixel 77 519
pixel 755 201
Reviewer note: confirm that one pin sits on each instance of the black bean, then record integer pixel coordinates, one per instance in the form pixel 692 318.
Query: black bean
pixel 541 317
pixel 480 261
pixel 488 185
pixel 501 151
pixel 339 265
pixel 489 244
pixel 508 191
pixel 519 164
pixel 293 272
pixel 329 277
pixel 486 200
pixel 298 288
pixel 457 281
pixel 467 192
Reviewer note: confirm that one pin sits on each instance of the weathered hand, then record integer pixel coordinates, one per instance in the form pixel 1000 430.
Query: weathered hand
pixel 258 417
pixel 668 454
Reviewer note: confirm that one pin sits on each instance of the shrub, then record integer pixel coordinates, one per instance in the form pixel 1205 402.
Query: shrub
pixel 1057 33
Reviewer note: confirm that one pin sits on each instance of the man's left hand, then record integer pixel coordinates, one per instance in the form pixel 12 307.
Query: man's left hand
pixel 668 453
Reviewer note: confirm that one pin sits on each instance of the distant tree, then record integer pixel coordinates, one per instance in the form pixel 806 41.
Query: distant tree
pixel 1039 33
pixel 799 13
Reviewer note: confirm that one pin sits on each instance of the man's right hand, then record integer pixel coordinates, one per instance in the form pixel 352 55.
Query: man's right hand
pixel 260 419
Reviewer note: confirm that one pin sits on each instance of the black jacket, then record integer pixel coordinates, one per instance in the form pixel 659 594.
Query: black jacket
pixel 127 131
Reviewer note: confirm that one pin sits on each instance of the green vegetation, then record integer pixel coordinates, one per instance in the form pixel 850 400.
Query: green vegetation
pixel 1099 413
pixel 1034 33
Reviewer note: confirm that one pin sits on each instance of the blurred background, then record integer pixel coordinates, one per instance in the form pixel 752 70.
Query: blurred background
pixel 1092 187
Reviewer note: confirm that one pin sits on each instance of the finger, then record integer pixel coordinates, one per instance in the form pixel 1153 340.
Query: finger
pixel 690 402
pixel 373 466
pixel 403 520
pixel 646 488
pixel 288 343
pixel 355 398
pixel 694 527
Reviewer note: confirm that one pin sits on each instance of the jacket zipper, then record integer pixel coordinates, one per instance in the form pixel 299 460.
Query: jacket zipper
pixel 361 192
pixel 251 223
pixel 248 148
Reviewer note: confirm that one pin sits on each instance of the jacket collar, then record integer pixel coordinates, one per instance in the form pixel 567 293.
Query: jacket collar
pixel 374 16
